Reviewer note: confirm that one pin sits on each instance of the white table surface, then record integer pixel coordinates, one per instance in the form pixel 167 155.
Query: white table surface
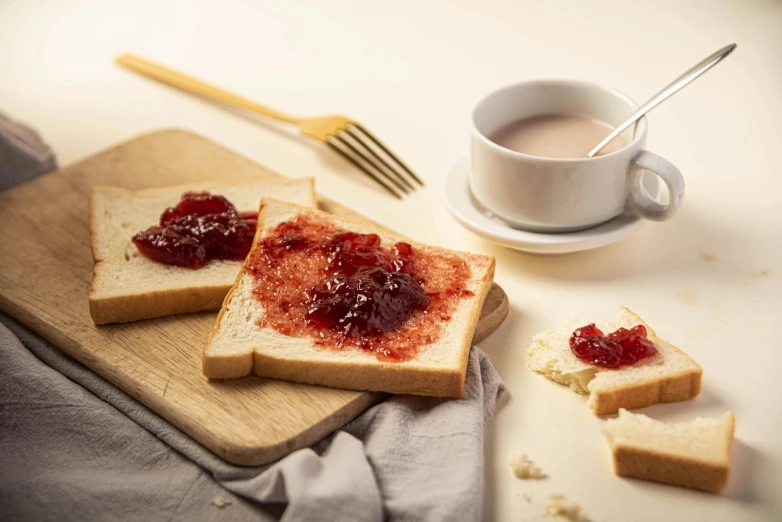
pixel 411 71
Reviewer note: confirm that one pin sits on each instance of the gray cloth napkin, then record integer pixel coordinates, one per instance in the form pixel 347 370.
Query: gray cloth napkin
pixel 23 154
pixel 75 447
pixel 68 454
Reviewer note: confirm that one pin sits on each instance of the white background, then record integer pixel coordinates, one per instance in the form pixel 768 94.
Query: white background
pixel 411 71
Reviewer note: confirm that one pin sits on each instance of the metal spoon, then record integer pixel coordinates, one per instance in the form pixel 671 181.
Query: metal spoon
pixel 674 87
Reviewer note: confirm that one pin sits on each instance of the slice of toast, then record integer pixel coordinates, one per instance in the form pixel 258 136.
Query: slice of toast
pixel 126 286
pixel 693 454
pixel 238 345
pixel 668 376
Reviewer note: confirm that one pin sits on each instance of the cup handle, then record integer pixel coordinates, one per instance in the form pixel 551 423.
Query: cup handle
pixel 639 202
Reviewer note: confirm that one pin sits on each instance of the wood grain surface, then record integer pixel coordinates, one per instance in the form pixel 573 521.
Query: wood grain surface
pixel 45 280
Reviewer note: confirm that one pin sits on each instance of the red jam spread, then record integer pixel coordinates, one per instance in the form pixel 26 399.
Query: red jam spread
pixel 200 228
pixel 619 348
pixel 347 290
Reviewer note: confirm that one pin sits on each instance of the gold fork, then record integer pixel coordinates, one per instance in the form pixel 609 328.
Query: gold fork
pixel 344 135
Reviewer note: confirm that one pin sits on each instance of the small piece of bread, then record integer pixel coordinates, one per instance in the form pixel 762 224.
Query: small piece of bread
pixel 220 502
pixel 693 454
pixel 562 508
pixel 668 376
pixel 238 346
pixel 524 468
pixel 126 286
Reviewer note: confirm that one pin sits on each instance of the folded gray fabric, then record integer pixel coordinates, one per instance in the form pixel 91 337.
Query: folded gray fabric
pixel 23 154
pixel 75 447
pixel 66 454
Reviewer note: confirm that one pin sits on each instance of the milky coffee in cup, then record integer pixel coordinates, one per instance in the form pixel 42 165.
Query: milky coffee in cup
pixel 557 136
pixel 529 164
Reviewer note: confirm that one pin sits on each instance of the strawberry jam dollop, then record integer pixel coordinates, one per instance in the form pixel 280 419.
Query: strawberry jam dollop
pixel 370 290
pixel 349 290
pixel 620 348
pixel 201 227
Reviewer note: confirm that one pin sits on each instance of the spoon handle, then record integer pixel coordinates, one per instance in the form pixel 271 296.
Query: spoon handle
pixel 676 85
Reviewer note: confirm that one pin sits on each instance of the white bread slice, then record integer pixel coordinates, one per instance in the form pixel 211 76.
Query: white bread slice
pixel 237 346
pixel 668 376
pixel 693 454
pixel 126 286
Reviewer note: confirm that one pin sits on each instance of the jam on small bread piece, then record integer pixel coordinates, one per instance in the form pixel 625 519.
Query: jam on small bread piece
pixel 345 289
pixel 200 228
pixel 620 348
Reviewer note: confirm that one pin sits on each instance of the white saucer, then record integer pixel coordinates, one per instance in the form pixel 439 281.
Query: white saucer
pixel 476 218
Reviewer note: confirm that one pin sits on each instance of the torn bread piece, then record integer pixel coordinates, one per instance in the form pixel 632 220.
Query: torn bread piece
pixel 669 376
pixel 242 343
pixel 693 454
pixel 126 286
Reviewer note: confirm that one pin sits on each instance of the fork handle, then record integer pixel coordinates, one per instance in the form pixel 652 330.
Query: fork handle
pixel 193 86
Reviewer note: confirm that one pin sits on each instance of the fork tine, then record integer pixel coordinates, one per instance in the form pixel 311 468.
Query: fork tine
pixel 370 163
pixel 382 147
pixel 366 171
pixel 377 160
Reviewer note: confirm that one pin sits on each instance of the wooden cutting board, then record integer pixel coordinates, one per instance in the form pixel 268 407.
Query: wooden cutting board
pixel 45 280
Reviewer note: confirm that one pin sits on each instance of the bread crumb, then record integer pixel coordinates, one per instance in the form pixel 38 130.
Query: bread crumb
pixel 527 498
pixel 523 468
pixel 220 502
pixel 757 275
pixel 559 506
pixel 708 257
pixel 688 296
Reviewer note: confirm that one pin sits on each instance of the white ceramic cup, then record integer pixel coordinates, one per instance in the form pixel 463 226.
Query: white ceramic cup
pixel 562 195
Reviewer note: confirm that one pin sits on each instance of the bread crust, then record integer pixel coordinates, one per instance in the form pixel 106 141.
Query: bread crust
pixel 156 303
pixel 672 387
pixel 353 375
pixel 160 302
